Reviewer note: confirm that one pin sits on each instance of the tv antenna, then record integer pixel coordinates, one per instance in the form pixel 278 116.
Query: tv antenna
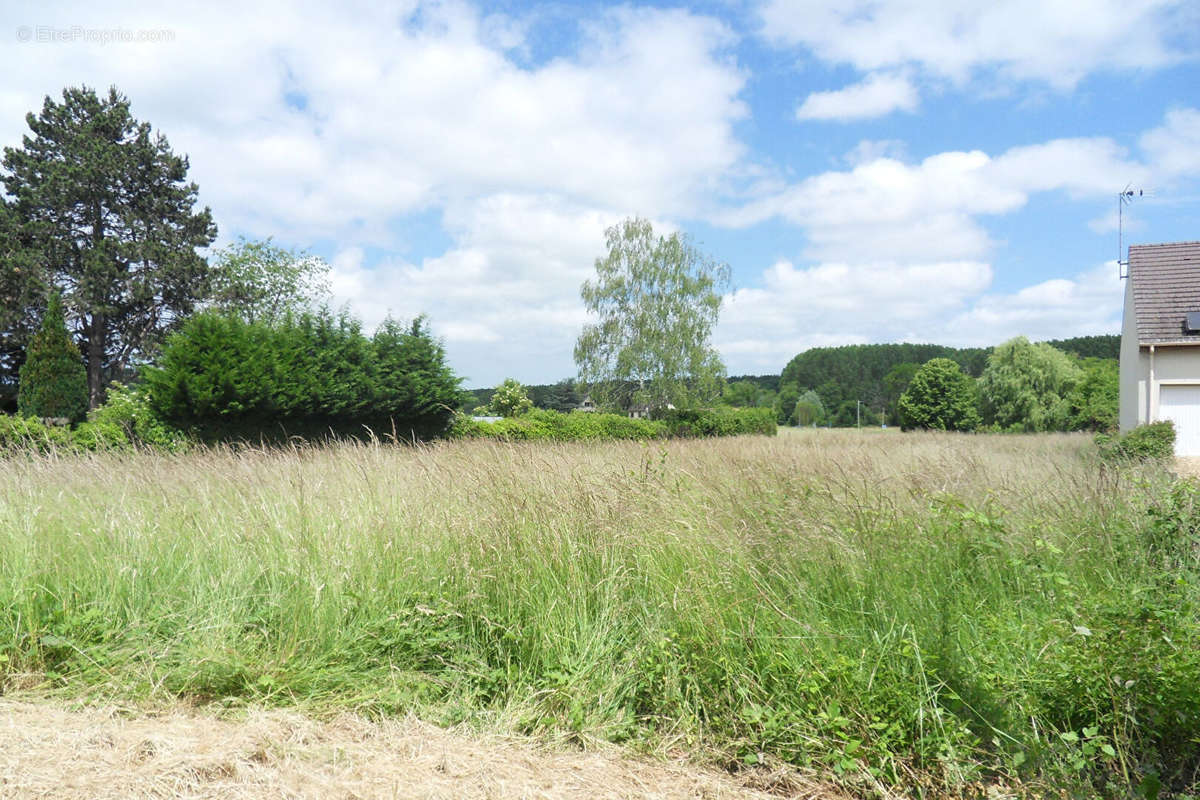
pixel 1124 196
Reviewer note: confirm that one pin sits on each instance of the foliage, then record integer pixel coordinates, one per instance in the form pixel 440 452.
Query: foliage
pixel 1095 401
pixel 851 414
pixel 1026 386
pixel 28 435
pixel 260 281
pixel 580 426
pixel 894 384
pixel 860 371
pixel 1154 441
pixel 940 397
pixel 718 421
pixel 509 400
pixel 785 404
pixel 809 409
pixel 128 410
pixel 22 298
pixel 656 300
pixel 315 374
pixel 546 425
pixel 53 378
pixel 877 374
pixel 1106 346
pixel 415 391
pixel 103 206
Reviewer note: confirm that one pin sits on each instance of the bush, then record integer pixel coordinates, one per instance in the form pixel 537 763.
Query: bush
pixel 93 436
pixel 53 379
pixel 30 435
pixel 509 399
pixel 311 375
pixel 1152 442
pixel 580 426
pixel 719 422
pixel 128 410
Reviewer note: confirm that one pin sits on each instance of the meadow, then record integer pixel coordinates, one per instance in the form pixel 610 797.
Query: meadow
pixel 932 614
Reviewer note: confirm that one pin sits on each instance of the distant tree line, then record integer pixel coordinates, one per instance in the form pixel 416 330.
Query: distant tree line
pixel 853 384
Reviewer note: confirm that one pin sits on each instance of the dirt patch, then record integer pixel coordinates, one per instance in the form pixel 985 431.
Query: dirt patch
pixel 48 751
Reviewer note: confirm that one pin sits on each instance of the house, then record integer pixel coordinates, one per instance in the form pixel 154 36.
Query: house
pixel 1160 341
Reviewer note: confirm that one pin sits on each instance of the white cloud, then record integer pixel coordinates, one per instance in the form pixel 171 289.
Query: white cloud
pixel 947 303
pixel 886 209
pixel 869 150
pixel 1086 304
pixel 876 96
pixel 1174 148
pixel 840 303
pixel 505 298
pixel 406 108
pixel 1054 41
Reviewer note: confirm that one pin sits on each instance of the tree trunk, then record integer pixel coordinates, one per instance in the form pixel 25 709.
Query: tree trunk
pixel 95 360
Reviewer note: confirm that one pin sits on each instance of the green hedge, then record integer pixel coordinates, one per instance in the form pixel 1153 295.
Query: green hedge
pixel 578 426
pixel 1154 441
pixel 20 434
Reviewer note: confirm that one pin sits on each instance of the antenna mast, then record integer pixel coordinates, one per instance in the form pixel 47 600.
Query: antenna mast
pixel 1124 196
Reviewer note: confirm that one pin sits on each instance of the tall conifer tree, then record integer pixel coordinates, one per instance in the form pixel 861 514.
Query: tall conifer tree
pixel 105 205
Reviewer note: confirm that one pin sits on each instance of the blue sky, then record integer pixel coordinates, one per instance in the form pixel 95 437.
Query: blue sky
pixel 871 170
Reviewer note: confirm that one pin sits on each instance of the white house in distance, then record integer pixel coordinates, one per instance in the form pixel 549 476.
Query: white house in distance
pixel 1160 341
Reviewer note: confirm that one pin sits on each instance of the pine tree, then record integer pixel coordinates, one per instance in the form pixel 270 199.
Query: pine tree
pixel 53 378
pixel 105 206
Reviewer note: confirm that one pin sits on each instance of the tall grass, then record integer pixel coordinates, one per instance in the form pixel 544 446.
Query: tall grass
pixel 925 611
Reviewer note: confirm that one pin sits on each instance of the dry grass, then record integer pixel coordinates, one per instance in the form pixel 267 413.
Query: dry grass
pixel 48 751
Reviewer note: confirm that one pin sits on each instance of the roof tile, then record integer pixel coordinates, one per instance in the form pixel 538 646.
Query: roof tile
pixel 1166 286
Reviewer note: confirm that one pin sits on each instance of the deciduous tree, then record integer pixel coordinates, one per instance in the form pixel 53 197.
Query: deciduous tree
pixel 258 280
pixel 656 300
pixel 1025 386
pixel 940 397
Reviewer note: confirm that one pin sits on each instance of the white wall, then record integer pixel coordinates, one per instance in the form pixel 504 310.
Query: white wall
pixel 1135 366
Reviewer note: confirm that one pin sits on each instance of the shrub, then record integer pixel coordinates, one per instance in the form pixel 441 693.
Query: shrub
pixel 53 379
pixel 128 410
pixel 579 426
pixel 1151 442
pixel 98 436
pixel 719 421
pixel 311 375
pixel 30 435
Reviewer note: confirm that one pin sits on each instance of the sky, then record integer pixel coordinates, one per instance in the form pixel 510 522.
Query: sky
pixel 938 171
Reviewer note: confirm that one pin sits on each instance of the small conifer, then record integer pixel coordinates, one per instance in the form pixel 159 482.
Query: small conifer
pixel 53 380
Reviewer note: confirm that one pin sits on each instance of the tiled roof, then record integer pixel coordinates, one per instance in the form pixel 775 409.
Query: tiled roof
pixel 1166 286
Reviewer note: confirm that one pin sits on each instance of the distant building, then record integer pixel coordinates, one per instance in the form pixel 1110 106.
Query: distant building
pixel 587 404
pixel 1160 341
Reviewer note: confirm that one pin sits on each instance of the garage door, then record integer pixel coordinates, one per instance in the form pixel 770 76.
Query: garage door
pixel 1181 405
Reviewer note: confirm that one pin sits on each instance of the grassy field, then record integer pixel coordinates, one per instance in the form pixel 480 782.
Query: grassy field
pixel 931 613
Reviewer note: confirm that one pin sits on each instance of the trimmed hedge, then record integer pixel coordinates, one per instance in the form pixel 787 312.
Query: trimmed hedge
pixel 579 426
pixel 1152 442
